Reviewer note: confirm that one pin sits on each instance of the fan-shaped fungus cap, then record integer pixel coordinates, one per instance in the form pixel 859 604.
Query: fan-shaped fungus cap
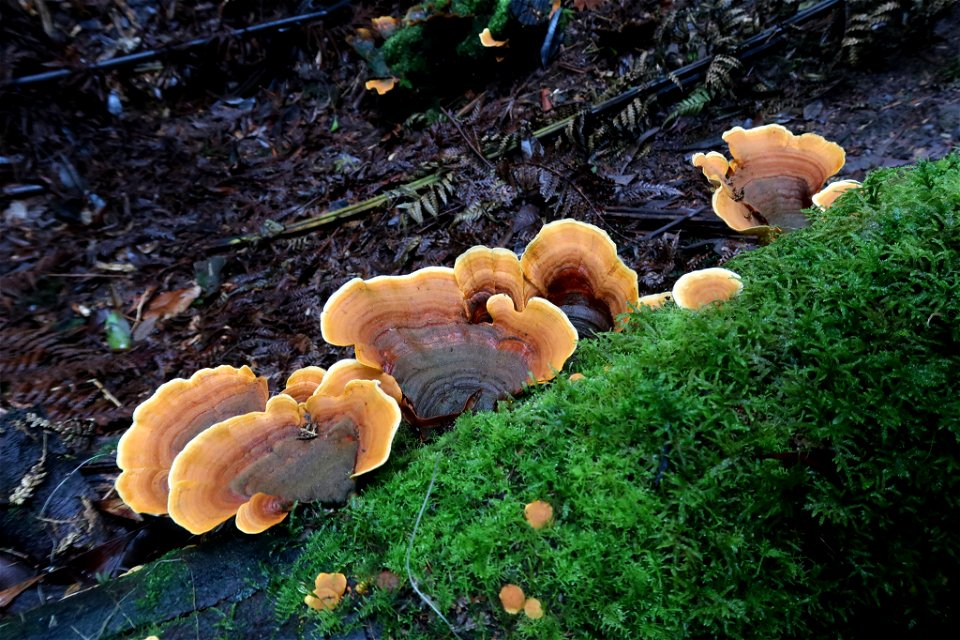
pixel 381 85
pixel 416 328
pixel 482 272
pixel 655 300
pixel 169 419
pixel 825 197
pixel 343 371
pixel 533 609
pixel 385 26
pixel 538 514
pixel 771 178
pixel 487 39
pixel 512 598
pixel 303 382
pixel 327 592
pixel 575 266
pixel 256 465
pixel 699 288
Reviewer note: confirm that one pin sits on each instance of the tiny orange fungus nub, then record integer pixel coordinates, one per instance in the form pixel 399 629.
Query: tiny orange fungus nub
pixel 381 85
pixel 487 39
pixel 327 592
pixel 538 514
pixel 512 598
pixel 533 609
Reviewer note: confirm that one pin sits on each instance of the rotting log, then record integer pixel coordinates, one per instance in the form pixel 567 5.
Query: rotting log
pixel 212 590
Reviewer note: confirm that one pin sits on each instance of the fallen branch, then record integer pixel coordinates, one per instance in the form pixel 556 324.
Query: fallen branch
pixel 329 216
pixel 147 56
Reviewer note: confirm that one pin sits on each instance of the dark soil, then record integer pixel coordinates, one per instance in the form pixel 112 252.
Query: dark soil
pixel 121 187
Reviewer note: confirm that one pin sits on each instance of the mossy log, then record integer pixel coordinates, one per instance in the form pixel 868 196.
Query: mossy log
pixel 216 589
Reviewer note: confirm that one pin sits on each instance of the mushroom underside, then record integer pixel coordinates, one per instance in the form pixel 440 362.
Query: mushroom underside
pixel 301 467
pixel 445 370
pixel 570 289
pixel 587 314
pixel 257 470
pixel 778 200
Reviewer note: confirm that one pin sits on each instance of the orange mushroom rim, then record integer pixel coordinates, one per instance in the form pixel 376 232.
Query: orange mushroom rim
pixel 417 328
pixel 576 266
pixel 256 466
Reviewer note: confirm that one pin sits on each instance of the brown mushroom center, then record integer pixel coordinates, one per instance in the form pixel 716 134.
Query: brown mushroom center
pixel 309 463
pixel 444 370
pixel 571 290
pixel 778 200
pixel 202 415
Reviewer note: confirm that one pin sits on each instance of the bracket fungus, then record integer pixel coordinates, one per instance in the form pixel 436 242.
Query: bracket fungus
pixel 771 178
pixel 697 289
pixel 575 266
pixel 487 39
pixel 655 300
pixel 303 382
pixel 825 197
pixel 417 328
pixel 178 411
pixel 327 591
pixel 343 371
pixel 482 272
pixel 258 464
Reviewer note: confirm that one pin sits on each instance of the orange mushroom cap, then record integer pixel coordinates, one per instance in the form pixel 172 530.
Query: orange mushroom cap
pixel 385 26
pixel 771 178
pixel 575 266
pixel 533 609
pixel 512 598
pixel 343 371
pixel 482 272
pixel 417 329
pixel 825 197
pixel 178 411
pixel 487 39
pixel 328 590
pixel 655 300
pixel 697 289
pixel 381 85
pixel 538 514
pixel 258 464
pixel 303 382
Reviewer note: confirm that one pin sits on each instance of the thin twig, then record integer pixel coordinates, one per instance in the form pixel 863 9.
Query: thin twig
pixel 106 392
pixel 327 217
pixel 653 234
pixel 152 54
pixel 413 535
pixel 470 143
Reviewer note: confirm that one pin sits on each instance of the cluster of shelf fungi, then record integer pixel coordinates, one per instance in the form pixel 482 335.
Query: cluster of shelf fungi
pixel 431 345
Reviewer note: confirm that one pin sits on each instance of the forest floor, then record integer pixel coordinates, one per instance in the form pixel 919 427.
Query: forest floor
pixel 119 190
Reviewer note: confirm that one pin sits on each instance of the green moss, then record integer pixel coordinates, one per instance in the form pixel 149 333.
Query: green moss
pixel 160 576
pixel 416 50
pixel 402 53
pixel 784 465
pixel 499 18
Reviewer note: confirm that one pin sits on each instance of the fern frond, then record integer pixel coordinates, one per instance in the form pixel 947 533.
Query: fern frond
pixel 692 105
